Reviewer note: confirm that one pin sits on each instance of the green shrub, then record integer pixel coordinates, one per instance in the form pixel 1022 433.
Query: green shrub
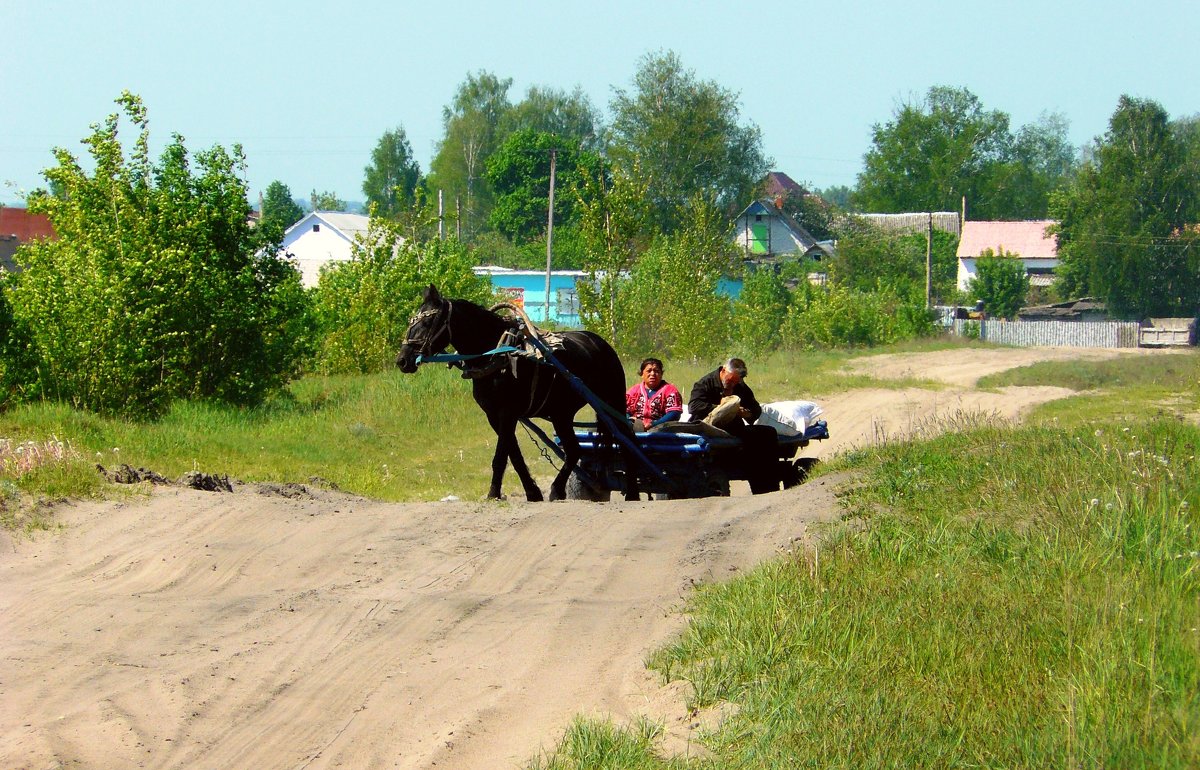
pixel 156 288
pixel 841 317
pixel 363 306
pixel 759 312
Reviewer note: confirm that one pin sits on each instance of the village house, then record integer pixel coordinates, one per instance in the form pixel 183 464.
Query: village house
pixel 322 237
pixel 1025 240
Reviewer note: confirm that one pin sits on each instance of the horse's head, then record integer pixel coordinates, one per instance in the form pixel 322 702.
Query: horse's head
pixel 428 331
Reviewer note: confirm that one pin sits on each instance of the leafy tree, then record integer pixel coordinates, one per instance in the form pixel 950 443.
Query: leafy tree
pixel 683 135
pixel 519 173
pixel 1000 281
pixel 760 311
pixel 326 201
pixel 868 259
pixel 616 226
pixel 837 196
pixel 670 303
pixel 390 181
pixel 1041 159
pixel 279 210
pixel 932 153
pixel 471 134
pixel 569 116
pixel 1126 229
pixel 157 288
pixel 363 305
pixel 937 151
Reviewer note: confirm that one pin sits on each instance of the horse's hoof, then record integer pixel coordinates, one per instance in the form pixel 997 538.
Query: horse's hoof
pixel 557 495
pixel 535 496
pixel 495 496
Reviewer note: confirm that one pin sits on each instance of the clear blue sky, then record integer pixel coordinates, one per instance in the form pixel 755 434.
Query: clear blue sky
pixel 308 88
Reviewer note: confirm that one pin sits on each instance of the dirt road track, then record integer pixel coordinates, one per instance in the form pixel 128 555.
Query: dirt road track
pixel 210 630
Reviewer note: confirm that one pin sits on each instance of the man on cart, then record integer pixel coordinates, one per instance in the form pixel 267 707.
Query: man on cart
pixel 723 399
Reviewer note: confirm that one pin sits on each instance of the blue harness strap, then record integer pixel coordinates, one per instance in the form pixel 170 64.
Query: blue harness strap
pixel 455 358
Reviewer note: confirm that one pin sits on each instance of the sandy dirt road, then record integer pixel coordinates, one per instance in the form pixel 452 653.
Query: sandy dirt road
pixel 252 630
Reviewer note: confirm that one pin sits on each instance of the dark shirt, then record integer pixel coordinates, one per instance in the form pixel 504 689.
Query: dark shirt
pixel 708 392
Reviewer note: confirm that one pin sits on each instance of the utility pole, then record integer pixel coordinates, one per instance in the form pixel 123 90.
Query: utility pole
pixel 550 233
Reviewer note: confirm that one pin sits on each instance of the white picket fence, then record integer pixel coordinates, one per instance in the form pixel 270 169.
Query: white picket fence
pixel 1069 334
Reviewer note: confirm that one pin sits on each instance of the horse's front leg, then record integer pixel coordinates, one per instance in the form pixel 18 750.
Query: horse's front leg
pixel 508 449
pixel 565 429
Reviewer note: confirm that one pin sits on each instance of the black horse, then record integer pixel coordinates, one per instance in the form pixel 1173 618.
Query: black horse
pixel 510 389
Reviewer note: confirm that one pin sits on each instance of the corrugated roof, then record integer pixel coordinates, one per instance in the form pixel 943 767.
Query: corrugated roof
pixel 350 224
pixel 1026 239
pixel 911 222
pixel 26 226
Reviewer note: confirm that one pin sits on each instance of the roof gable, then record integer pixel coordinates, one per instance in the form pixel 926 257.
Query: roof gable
pixel 1025 239
pixel 345 225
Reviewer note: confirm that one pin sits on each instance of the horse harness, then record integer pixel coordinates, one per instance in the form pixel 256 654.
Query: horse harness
pixel 513 345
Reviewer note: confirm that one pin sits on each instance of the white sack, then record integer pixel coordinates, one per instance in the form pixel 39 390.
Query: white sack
pixel 790 418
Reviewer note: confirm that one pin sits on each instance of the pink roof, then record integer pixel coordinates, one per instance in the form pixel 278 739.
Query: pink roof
pixel 1025 239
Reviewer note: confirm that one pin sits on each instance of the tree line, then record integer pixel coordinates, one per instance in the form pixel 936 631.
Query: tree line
pixel 159 289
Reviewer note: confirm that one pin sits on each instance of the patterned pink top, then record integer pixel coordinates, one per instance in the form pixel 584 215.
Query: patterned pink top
pixel 643 405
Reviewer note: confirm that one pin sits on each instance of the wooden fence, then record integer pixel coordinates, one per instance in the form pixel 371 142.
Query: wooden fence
pixel 1070 334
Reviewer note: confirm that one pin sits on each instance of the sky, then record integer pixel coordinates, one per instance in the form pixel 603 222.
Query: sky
pixel 309 88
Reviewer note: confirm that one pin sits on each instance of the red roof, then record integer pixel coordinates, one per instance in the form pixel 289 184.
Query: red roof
pixel 24 225
pixel 779 183
pixel 1025 239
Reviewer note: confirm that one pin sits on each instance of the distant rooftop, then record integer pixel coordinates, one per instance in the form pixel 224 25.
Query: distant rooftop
pixel 1027 239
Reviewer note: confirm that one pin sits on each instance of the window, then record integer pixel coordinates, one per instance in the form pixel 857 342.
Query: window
pixel 316 228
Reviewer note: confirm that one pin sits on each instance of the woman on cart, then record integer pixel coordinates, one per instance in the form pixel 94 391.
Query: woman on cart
pixel 653 401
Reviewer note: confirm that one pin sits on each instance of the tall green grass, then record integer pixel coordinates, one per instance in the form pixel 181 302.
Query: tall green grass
pixel 1004 597
pixel 996 596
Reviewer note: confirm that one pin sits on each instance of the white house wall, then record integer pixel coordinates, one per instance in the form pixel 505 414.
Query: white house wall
pixel 967 270
pixel 780 238
pixel 314 249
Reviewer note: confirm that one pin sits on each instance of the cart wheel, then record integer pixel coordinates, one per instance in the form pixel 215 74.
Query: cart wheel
pixel 578 489
pixel 795 474
pixel 717 484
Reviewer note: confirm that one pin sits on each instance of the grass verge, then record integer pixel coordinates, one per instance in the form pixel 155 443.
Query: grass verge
pixel 997 596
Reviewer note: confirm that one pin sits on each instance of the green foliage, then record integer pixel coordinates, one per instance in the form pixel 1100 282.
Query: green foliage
pixel 519 174
pixel 935 152
pixel 616 222
pixel 157 288
pixel 279 211
pixel 868 258
pixel 1000 281
pixel 570 116
pixel 1126 227
pixel 472 133
pixel 760 311
pixel 683 135
pixel 363 306
pixel 326 201
pixel 669 305
pixel 18 359
pixel 390 182
pixel 841 317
